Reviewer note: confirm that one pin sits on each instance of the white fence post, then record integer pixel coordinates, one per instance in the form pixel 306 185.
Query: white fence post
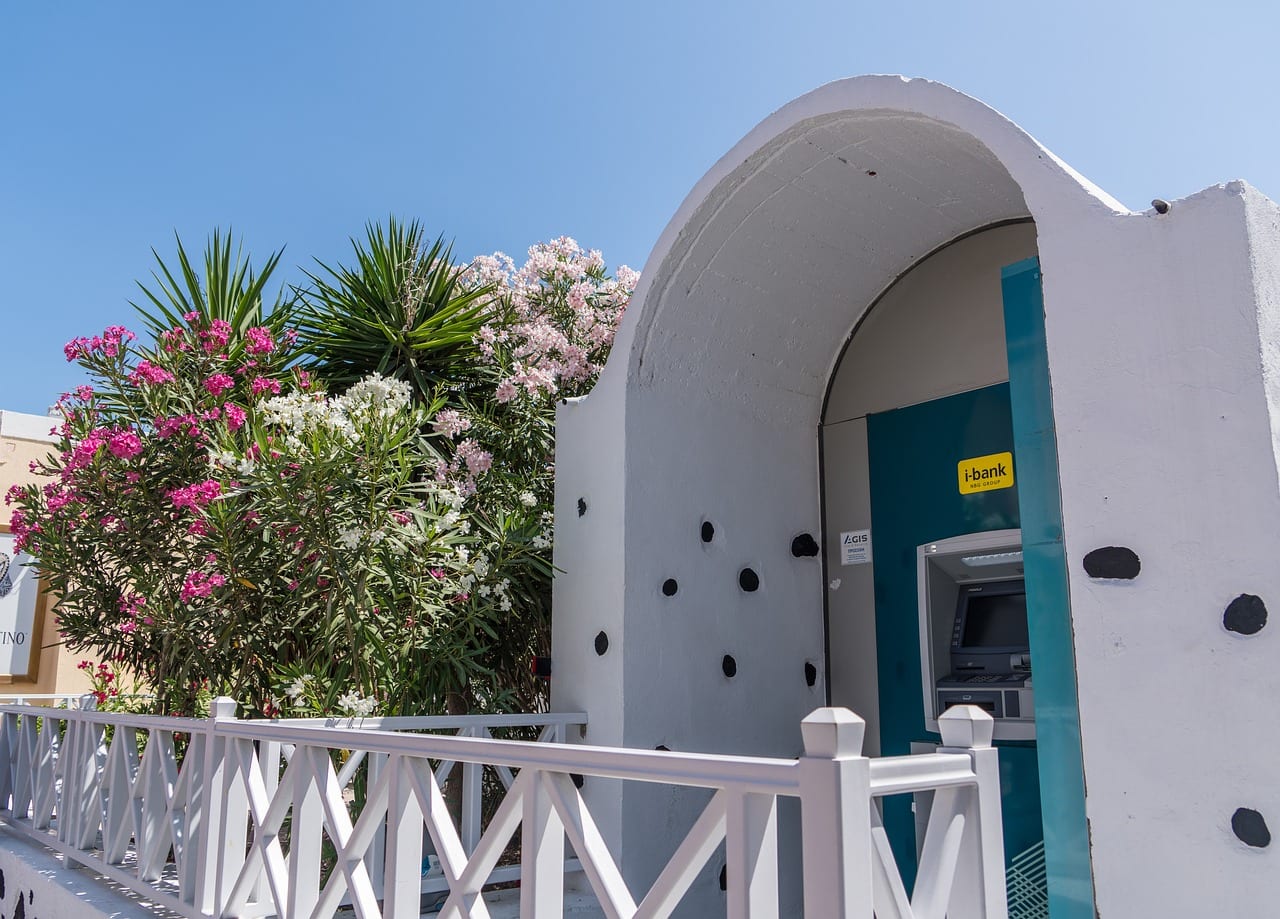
pixel 541 853
pixel 835 808
pixel 979 891
pixel 209 831
pixel 751 856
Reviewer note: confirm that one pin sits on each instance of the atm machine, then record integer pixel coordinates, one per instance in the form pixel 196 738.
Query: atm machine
pixel 974 647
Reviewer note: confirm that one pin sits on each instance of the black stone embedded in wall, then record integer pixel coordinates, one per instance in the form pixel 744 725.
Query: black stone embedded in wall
pixel 1112 563
pixel 582 506
pixel 669 587
pixel 810 673
pixel 1245 614
pixel 1250 828
pixel 708 531
pixel 804 546
pixel 748 580
pixel 602 643
pixel 729 666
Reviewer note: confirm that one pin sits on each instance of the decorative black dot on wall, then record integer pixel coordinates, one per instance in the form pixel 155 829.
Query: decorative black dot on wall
pixel 724 877
pixel 1112 563
pixel 1250 828
pixel 729 666
pixel 708 531
pixel 582 506
pixel 576 779
pixel 1245 614
pixel 810 674
pixel 748 580
pixel 602 643
pixel 669 587
pixel 804 546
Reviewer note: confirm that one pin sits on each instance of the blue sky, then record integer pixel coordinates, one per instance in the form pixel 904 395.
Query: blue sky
pixel 500 124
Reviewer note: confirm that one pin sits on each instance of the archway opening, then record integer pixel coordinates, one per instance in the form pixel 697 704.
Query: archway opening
pixel 921 552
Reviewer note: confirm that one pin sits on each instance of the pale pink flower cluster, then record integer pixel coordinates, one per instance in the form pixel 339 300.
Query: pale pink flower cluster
pixel 450 423
pixel 477 460
pixel 564 313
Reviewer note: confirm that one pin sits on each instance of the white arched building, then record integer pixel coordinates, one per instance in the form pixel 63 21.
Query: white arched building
pixel 883 280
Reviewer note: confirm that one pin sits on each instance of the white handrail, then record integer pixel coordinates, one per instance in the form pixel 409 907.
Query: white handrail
pixel 192 813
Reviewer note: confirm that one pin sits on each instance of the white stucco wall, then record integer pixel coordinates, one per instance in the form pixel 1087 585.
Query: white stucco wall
pixel 1165 447
pixel 1164 403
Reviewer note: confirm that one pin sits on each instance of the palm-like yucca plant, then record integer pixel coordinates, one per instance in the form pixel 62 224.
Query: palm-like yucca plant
pixel 230 290
pixel 403 310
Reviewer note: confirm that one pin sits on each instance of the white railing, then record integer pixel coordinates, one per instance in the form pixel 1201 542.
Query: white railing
pixel 56 699
pixel 198 815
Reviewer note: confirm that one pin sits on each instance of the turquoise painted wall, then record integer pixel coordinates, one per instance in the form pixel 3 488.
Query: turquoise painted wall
pixel 913 453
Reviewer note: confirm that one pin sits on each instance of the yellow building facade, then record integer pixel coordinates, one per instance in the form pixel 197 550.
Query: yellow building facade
pixel 46 666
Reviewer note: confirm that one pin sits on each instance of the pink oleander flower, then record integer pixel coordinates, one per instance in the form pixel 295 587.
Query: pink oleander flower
pixel 215 338
pixel 258 340
pixel 131 604
pixel 304 378
pixel 197 584
pixel 110 343
pixel 147 372
pixel 262 384
pixel 219 383
pixel 195 496
pixel 167 427
pixel 85 451
pixel 124 444
pixel 235 416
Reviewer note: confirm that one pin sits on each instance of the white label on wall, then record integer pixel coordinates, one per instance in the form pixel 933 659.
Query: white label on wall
pixel 855 547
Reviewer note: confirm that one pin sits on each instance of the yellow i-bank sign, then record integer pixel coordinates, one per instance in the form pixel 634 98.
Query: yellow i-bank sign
pixel 985 473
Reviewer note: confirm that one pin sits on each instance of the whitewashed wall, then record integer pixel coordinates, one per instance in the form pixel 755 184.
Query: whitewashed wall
pixel 709 409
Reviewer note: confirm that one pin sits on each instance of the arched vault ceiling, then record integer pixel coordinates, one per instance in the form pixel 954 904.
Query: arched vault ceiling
pixel 797 242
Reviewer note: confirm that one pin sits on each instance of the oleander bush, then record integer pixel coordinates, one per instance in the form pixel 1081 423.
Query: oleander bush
pixel 334 502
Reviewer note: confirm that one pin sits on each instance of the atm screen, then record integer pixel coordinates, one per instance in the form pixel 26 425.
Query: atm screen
pixel 995 621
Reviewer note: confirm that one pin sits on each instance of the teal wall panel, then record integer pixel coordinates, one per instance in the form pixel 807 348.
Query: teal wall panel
pixel 1052 653
pixel 913 453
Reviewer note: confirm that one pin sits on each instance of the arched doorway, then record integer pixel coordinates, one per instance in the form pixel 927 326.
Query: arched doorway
pixel 708 413
pixel 922 385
